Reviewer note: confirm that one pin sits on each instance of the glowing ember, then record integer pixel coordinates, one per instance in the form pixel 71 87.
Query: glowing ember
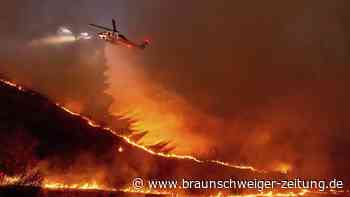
pixel 120 149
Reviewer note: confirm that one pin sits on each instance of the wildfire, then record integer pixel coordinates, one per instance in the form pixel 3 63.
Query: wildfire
pixel 48 184
pixel 12 84
pixel 169 155
pixel 237 166
pixel 8 180
pixel 79 186
pixel 267 194
pixel 95 185
pixel 145 191
pixel 283 168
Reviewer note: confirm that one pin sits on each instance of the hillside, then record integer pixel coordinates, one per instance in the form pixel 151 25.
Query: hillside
pixel 40 137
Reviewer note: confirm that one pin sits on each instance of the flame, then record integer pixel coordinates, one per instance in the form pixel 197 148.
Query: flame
pixel 170 155
pixel 160 112
pixel 12 84
pixel 74 105
pixel 283 168
pixel 49 184
pixel 78 186
pixel 145 191
pixel 267 194
pixel 94 185
pixel 9 180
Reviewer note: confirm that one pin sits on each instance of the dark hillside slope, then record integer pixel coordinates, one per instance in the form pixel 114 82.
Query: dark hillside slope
pixel 36 134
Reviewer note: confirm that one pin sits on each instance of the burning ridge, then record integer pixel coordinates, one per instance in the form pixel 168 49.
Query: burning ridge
pixel 66 148
pixel 94 124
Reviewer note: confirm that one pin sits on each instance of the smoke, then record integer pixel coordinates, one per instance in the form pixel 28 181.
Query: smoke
pixel 262 83
pixel 64 35
pixel 155 109
pixel 259 82
pixel 54 54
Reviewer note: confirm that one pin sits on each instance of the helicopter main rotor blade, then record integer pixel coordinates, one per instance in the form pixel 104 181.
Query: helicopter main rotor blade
pixel 101 27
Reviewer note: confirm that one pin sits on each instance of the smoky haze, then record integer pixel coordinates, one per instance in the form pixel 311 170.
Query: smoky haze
pixel 70 72
pixel 258 82
pixel 266 81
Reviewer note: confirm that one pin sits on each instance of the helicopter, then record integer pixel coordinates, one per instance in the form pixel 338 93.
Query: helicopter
pixel 115 37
